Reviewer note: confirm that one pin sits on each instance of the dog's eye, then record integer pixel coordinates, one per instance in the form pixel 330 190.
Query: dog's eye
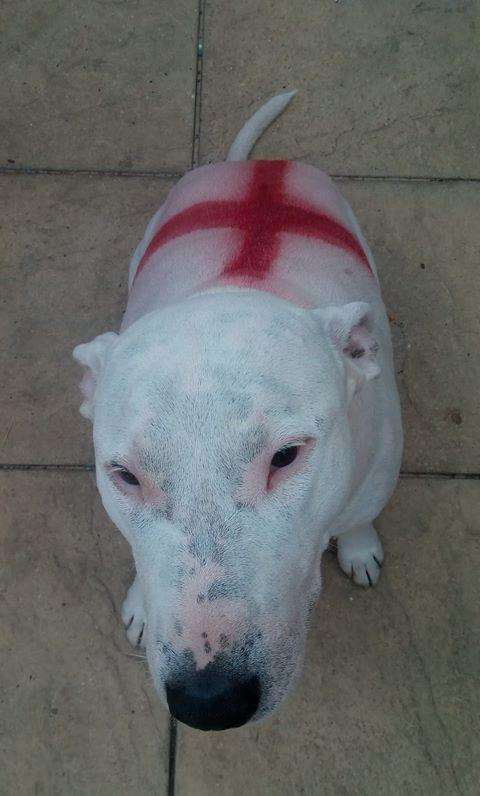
pixel 127 476
pixel 285 456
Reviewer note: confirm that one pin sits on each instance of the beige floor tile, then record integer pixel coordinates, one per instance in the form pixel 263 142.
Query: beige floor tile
pixel 97 85
pixel 67 242
pixel 78 712
pixel 389 701
pixel 384 88
pixel 424 237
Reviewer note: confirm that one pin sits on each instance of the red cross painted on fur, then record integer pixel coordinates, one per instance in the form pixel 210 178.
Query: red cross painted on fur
pixel 262 216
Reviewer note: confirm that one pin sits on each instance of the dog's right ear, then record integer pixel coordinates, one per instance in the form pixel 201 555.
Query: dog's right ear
pixel 92 356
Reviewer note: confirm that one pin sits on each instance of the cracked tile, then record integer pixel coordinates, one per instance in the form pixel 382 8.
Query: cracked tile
pixel 389 699
pixel 383 89
pixel 79 714
pixel 98 85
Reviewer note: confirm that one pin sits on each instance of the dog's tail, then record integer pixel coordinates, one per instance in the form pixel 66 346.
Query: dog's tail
pixel 253 129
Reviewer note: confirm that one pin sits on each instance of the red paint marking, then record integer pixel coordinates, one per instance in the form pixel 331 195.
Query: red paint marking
pixel 259 221
pixel 262 216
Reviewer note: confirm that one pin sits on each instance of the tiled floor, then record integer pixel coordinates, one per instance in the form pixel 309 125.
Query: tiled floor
pixel 103 104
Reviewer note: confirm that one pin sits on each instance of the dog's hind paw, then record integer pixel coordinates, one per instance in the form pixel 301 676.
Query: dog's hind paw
pixel 133 614
pixel 360 555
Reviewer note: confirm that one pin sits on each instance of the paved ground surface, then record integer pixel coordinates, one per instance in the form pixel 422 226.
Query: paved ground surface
pixel 104 105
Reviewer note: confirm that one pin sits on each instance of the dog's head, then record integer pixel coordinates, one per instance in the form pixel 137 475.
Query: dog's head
pixel 223 454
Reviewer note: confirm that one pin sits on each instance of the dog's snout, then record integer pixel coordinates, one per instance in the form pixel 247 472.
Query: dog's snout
pixel 212 700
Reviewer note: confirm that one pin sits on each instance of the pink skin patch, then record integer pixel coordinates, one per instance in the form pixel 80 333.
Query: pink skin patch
pixel 146 491
pixel 208 627
pixel 262 478
pixel 278 475
pixel 255 482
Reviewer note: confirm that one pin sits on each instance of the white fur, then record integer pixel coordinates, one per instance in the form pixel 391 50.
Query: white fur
pixel 257 124
pixel 196 396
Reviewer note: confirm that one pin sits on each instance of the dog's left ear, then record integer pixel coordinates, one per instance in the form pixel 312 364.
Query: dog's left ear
pixel 349 328
pixel 92 356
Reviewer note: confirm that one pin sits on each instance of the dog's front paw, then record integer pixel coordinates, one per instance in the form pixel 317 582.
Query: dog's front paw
pixel 360 555
pixel 133 614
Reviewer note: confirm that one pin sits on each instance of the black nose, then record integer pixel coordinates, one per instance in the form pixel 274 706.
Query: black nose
pixel 209 700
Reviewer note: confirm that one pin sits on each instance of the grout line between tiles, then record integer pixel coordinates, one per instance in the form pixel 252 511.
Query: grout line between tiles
pixel 401 178
pixel 91 468
pixel 440 475
pixel 197 112
pixel 33 171
pixel 172 756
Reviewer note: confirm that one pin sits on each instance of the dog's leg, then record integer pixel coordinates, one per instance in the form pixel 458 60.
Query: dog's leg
pixel 133 614
pixel 360 554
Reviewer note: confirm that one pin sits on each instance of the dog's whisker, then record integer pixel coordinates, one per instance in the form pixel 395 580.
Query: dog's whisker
pixel 133 655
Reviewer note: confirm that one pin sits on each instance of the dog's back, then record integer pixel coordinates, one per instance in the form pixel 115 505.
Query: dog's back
pixel 273 225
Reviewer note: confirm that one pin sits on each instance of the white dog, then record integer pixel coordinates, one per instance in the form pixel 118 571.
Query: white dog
pixel 246 414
